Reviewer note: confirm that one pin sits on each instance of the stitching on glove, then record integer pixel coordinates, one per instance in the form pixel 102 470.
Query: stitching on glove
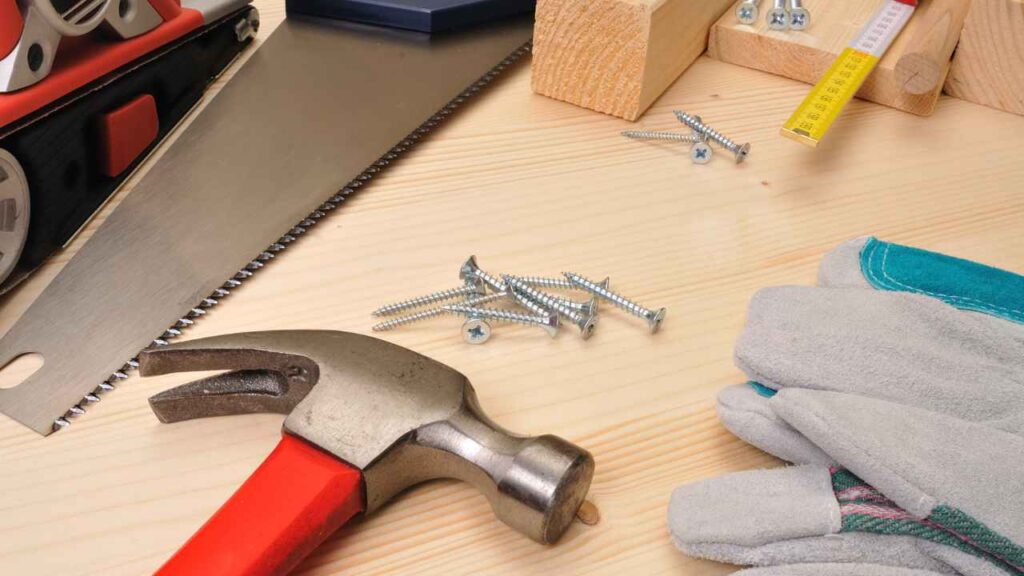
pixel 891 283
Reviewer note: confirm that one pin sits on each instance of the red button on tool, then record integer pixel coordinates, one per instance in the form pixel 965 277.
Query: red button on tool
pixel 127 132
pixel 10 26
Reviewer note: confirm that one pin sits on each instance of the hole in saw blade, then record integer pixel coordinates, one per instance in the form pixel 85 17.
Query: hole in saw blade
pixel 18 370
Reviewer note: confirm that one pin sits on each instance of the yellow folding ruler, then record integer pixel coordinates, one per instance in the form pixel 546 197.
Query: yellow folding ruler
pixel 847 74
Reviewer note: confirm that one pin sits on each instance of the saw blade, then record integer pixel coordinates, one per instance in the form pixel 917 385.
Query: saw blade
pixel 320 107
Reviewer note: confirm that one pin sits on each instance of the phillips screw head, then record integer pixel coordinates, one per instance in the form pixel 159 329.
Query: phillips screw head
pixel 476 331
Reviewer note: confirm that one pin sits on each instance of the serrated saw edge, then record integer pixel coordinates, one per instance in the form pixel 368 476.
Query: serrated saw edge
pixel 323 211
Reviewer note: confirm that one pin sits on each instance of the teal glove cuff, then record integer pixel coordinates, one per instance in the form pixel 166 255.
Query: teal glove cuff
pixel 961 283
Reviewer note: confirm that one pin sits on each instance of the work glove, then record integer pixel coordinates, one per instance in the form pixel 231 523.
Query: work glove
pixel 897 386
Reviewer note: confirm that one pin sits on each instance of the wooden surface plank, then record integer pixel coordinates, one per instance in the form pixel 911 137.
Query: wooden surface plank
pixel 989 65
pixel 532 185
pixel 617 56
pixel 806 55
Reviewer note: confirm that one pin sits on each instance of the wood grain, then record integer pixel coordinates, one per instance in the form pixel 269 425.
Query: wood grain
pixel 989 65
pixel 532 185
pixel 617 56
pixel 805 56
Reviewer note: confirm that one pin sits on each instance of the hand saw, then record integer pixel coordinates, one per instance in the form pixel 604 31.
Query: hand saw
pixel 315 113
pixel 85 93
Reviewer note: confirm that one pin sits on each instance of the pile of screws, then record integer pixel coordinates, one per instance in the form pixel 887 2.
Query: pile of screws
pixel 700 137
pixel 535 305
pixel 779 18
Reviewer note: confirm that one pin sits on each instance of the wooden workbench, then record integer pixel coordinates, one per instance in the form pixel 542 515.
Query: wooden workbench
pixel 531 185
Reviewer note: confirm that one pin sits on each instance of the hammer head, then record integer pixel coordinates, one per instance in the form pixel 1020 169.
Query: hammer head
pixel 398 416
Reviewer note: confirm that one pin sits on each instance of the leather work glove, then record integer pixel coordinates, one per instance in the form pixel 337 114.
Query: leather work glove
pixel 897 386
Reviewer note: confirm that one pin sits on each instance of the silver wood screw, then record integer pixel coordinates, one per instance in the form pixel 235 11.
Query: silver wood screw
pixel 700 152
pixel 470 270
pixel 654 317
pixel 746 11
pixel 740 151
pixel 476 331
pixel 549 323
pixel 799 17
pixel 434 312
pixel 585 323
pixel 777 17
pixel 473 287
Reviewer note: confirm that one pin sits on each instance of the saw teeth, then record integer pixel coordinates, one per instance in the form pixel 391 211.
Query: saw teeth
pixel 254 265
pixel 106 386
pixel 195 312
pixel 92 398
pixel 76 410
pixel 133 363
pixel 160 342
pixel 232 283
pixel 171 333
pixel 60 423
pixel 264 256
pixel 183 322
pixel 120 375
pixel 220 293
pixel 208 302
pixel 297 231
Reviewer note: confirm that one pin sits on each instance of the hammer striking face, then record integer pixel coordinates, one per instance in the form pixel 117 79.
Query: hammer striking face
pixel 366 420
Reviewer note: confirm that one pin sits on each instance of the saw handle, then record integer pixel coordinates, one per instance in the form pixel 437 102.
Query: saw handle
pixel 298 497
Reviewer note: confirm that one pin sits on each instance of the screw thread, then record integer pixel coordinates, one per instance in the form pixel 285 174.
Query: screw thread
pixel 617 299
pixel 558 283
pixel 433 312
pixel 577 306
pixel 708 131
pixel 530 305
pixel 548 300
pixel 433 298
pixel 496 314
pixel 494 283
pixel 667 136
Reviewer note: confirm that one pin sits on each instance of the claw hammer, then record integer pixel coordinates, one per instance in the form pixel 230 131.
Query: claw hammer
pixel 366 420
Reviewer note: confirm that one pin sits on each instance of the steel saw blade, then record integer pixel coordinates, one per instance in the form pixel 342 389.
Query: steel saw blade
pixel 320 107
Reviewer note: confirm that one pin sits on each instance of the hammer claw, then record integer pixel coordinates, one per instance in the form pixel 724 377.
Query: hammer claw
pixel 260 380
pixel 238 392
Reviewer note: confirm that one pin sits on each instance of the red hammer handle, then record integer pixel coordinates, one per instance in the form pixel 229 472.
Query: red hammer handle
pixel 297 498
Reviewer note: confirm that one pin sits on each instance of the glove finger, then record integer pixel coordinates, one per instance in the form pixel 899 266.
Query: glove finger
pixel 901 347
pixel 847 547
pixel 835 569
pixel 840 268
pixel 960 481
pixel 753 509
pixel 747 414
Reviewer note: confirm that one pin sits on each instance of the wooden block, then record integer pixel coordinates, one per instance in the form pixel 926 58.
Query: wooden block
pixel 989 65
pixel 922 51
pixel 617 56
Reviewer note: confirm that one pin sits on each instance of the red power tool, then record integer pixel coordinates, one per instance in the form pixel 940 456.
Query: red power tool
pixel 87 88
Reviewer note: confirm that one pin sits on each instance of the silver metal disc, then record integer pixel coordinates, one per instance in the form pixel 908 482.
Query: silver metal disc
pixel 14 212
